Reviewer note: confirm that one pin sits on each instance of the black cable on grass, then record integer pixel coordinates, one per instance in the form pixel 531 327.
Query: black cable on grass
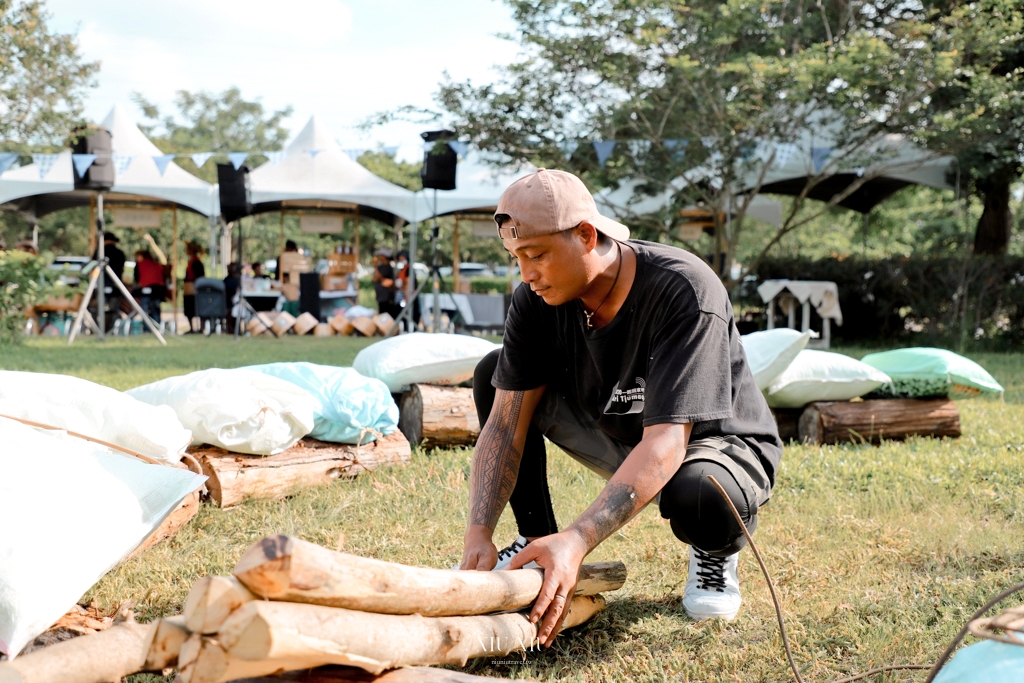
pixel 778 607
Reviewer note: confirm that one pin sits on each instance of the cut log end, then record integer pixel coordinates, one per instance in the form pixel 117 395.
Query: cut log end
pixel 211 600
pixel 439 417
pixel 265 567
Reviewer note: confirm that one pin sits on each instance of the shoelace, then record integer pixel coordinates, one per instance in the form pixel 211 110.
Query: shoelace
pixel 510 550
pixel 711 571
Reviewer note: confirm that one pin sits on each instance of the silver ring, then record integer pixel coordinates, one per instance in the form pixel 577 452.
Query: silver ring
pixel 560 596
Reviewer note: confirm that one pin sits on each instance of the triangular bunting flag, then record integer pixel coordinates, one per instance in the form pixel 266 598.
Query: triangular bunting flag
pixel 390 150
pixel 44 162
pixel 200 158
pixel 460 148
pixel 237 159
pixel 354 154
pixel 568 147
pixel 274 157
pixel 604 150
pixel 639 148
pixel 677 147
pixel 784 151
pixel 162 161
pixel 819 157
pixel 82 163
pixel 121 162
pixel 314 152
pixel 6 159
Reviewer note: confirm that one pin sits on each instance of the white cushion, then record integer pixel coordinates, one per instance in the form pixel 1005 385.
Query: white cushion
pixel 770 352
pixel 823 376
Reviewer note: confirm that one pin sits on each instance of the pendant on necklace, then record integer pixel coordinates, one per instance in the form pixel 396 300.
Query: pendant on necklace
pixel 588 316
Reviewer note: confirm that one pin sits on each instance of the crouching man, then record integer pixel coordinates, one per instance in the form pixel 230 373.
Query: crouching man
pixel 623 353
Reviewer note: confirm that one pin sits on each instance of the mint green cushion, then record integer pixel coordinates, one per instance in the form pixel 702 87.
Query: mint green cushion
pixel 921 372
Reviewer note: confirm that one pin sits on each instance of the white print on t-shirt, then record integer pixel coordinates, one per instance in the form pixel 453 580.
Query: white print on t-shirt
pixel 627 402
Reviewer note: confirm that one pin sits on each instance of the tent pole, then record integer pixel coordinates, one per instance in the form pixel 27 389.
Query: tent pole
pixel 357 235
pixel 101 287
pixel 92 224
pixel 455 255
pixel 174 267
pixel 213 244
pixel 410 286
pixel 280 246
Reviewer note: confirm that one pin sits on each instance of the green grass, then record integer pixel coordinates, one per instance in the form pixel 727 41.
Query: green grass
pixel 879 553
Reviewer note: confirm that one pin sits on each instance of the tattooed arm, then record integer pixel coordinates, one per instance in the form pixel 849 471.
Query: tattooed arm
pixel 495 469
pixel 645 472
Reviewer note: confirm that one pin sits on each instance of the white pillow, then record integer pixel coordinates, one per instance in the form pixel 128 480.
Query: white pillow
pixel 53 547
pixel 421 358
pixel 239 410
pixel 823 376
pixel 770 352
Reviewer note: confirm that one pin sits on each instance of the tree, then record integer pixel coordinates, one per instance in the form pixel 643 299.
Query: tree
pixel 978 114
pixel 699 93
pixel 42 79
pixel 215 122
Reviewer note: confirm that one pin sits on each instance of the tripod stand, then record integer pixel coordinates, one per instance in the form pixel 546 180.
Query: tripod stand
pixel 103 267
pixel 433 276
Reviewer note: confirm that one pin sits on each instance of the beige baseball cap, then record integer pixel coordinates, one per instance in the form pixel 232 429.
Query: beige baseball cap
pixel 547 202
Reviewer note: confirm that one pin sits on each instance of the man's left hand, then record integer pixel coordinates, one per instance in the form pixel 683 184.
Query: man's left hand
pixel 561 556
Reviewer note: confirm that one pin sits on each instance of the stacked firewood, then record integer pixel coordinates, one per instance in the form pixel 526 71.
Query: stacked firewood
pixel 292 605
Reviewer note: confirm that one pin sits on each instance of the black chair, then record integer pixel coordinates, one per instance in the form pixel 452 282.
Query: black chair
pixel 211 299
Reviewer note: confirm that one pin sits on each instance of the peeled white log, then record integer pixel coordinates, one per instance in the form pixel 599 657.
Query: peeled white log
pixel 292 570
pixel 211 600
pixel 263 638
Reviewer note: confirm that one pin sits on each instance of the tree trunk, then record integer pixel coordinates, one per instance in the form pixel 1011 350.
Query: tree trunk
pixel 872 421
pixel 234 478
pixel 992 235
pixel 264 638
pixel 289 569
pixel 439 416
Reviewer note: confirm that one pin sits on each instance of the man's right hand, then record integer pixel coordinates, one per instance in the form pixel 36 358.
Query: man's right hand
pixel 479 552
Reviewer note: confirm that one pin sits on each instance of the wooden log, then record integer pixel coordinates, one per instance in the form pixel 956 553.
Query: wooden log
pixel 323 330
pixel 342 325
pixel 289 569
pixel 165 639
pixel 234 477
pixel 351 674
pixel 365 326
pixel 172 524
pixel 788 422
pixel 438 417
pixel 211 600
pixel 102 657
pixel 263 638
pixel 282 323
pixel 384 323
pixel 305 323
pixel 259 324
pixel 871 421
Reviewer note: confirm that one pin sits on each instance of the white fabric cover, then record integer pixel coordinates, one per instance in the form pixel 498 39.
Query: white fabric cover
pixel 238 410
pixel 770 352
pixel 823 376
pixel 71 511
pixel 421 358
pixel 94 410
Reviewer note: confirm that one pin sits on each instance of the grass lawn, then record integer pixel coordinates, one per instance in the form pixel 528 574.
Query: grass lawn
pixel 879 553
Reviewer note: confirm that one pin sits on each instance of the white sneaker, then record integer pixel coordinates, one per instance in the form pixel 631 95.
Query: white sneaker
pixel 712 587
pixel 506 554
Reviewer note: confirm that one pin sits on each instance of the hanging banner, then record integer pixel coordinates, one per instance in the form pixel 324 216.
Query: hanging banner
pixel 460 148
pixel 677 147
pixel 639 148
pixel 237 159
pixel 121 163
pixel 6 159
pixel 44 162
pixel 82 163
pixel 819 157
pixel 321 222
pixel 604 150
pixel 137 218
pixel 568 147
pixel 161 161
pixel 314 152
pixel 274 157
pixel 200 158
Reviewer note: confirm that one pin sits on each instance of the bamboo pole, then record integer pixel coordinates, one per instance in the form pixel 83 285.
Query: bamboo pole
pixel 174 267
pixel 280 246
pixel 92 225
pixel 456 258
pixel 211 600
pixel 262 638
pixel 289 569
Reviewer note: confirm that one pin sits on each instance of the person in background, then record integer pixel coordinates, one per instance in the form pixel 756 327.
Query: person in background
pixel 384 283
pixel 193 271
pixel 257 272
pixel 149 283
pixel 289 247
pixel 401 283
pixel 231 284
pixel 115 257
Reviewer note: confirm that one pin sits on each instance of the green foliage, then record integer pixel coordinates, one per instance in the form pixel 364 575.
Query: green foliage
pixel 402 173
pixel 43 79
pixel 215 122
pixel 24 282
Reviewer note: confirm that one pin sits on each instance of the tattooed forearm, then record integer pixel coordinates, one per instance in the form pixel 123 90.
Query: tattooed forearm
pixel 613 508
pixel 496 461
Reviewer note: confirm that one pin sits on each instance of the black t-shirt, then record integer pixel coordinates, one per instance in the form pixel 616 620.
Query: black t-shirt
pixel 385 295
pixel 672 354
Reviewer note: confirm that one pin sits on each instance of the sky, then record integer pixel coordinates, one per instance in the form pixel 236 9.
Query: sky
pixel 342 61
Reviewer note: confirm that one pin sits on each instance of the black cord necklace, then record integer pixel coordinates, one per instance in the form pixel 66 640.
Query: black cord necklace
pixel 590 314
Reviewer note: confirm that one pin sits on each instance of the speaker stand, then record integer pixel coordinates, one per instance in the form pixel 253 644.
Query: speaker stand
pixel 83 310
